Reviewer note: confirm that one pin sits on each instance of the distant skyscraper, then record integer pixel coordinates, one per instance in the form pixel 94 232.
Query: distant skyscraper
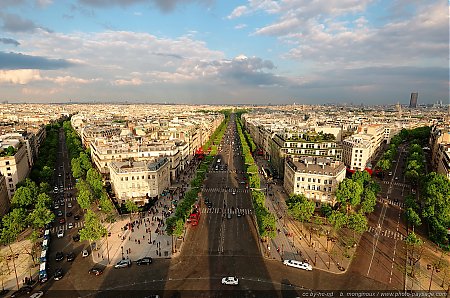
pixel 413 100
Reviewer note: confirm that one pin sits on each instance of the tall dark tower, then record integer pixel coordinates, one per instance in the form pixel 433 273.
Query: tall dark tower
pixel 413 100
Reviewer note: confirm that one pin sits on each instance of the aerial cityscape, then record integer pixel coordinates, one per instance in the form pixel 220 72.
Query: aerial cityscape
pixel 244 148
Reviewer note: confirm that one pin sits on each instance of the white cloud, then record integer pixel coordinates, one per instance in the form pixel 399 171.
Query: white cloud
pixel 240 26
pixel 238 12
pixel 19 76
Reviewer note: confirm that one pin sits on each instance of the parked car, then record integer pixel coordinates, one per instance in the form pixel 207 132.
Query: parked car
pixel 59 213
pixel 62 221
pixel 230 280
pixel 123 264
pixel 38 294
pixel 70 257
pixel 76 217
pixel 59 256
pixel 69 205
pixel 69 214
pixel 144 261
pixel 96 271
pixel 60 234
pixel 58 274
pixel 85 253
pixel 70 225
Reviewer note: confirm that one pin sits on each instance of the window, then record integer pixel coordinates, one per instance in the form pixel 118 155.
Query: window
pixel 318 180
pixel 318 187
pixel 8 169
pixel 309 179
pixel 7 163
pixel 132 177
pixel 10 180
pixel 121 178
pixel 325 181
pixel 126 178
pixel 298 178
pixel 303 178
pixel 314 179
pixel 143 177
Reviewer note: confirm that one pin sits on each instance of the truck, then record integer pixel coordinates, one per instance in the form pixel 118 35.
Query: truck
pixel 194 217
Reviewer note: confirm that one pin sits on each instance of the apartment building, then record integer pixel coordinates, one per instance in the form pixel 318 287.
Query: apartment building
pixel 90 132
pixel 4 198
pixel 14 166
pixel 439 148
pixel 104 151
pixel 315 177
pixel 357 151
pixel 139 180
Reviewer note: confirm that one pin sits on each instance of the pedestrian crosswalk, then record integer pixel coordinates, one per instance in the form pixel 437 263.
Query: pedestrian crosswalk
pixel 393 202
pixel 227 171
pixel 230 190
pixel 226 210
pixel 396 183
pixel 387 233
pixel 65 227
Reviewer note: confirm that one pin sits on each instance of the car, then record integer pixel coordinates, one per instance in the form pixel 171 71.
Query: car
pixel 396 178
pixel 70 257
pixel 59 213
pixel 59 175
pixel 96 271
pixel 76 238
pixel 390 173
pixel 144 261
pixel 123 264
pixel 69 214
pixel 234 192
pixel 239 214
pixel 70 225
pixel 56 206
pixel 23 290
pixel 229 216
pixel 230 280
pixel 62 203
pixel 59 256
pixel 76 217
pixel 69 205
pixel 38 294
pixel 62 221
pixel 298 264
pixel 60 234
pixel 58 274
pixel 85 253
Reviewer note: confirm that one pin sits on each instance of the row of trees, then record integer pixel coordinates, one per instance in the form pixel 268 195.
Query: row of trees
pixel 356 197
pixel 175 224
pixel 265 219
pixel 90 190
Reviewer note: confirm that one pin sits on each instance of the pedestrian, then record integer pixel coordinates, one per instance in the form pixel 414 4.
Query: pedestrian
pixel 139 241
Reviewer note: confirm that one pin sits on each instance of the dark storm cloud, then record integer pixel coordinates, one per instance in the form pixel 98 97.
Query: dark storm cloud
pixel 9 41
pixel 163 5
pixel 9 61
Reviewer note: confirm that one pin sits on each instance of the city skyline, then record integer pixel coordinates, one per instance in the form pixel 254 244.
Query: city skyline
pixel 249 52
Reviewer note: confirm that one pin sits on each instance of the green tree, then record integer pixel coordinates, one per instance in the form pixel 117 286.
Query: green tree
pixel 14 222
pixel 85 198
pixel 413 218
pixel 415 248
pixel 107 207
pixel 94 179
pixel 46 173
pixel 384 164
pixel 300 207
pixel 77 170
pixel 23 198
pixel 357 222
pixel 326 210
pixel 349 193
pixel 93 229
pixel 131 207
pixel 338 219
pixel 369 202
pixel 85 161
pixel 43 200
pixel 40 216
pixel 44 187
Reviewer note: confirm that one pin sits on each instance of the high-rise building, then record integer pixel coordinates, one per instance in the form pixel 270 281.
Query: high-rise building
pixel 413 100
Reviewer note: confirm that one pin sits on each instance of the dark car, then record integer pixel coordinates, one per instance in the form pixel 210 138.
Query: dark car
pixel 62 221
pixel 59 213
pixel 22 291
pixel 70 257
pixel 96 271
pixel 76 217
pixel 144 261
pixel 76 237
pixel 59 256
pixel 58 274
pixel 69 214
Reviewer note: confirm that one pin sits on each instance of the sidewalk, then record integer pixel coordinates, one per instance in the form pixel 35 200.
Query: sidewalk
pixel 147 237
pixel 291 242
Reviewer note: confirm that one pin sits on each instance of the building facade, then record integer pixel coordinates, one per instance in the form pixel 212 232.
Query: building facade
pixel 4 198
pixel 317 178
pixel 15 167
pixel 140 180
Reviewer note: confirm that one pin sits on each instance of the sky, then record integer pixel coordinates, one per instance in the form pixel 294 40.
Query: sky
pixel 224 52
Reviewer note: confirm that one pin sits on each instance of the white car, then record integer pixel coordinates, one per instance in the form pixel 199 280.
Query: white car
pixel 60 234
pixel 38 294
pixel 70 225
pixel 230 280
pixel 69 205
pixel 298 264
pixel 123 264
pixel 85 253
